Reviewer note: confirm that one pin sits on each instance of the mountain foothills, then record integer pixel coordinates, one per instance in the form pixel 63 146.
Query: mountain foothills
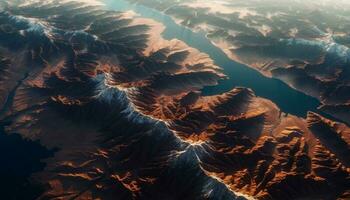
pixel 124 109
pixel 303 43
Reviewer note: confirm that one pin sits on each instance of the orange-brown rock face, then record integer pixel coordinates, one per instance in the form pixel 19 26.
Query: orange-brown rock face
pixel 126 115
pixel 292 162
pixel 303 43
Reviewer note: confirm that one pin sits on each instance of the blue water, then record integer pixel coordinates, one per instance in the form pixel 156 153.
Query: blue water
pixel 19 160
pixel 288 99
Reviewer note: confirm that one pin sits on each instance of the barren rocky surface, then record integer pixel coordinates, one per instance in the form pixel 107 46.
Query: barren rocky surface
pixel 303 43
pixel 123 108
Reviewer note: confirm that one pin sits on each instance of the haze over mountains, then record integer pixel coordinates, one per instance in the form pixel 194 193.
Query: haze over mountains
pixel 122 107
pixel 303 43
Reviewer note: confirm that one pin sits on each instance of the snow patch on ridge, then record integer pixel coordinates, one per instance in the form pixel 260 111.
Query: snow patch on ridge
pixel 33 25
pixel 114 96
pixel 329 46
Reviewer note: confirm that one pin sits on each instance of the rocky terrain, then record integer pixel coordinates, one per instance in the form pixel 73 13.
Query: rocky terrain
pixel 123 108
pixel 303 43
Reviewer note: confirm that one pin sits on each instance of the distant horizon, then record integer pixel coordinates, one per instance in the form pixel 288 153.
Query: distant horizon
pixel 181 100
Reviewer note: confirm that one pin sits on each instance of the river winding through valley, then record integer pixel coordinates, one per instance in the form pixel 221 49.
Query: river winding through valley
pixel 288 99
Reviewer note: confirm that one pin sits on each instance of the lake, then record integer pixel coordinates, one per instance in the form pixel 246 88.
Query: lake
pixel 288 99
pixel 20 158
